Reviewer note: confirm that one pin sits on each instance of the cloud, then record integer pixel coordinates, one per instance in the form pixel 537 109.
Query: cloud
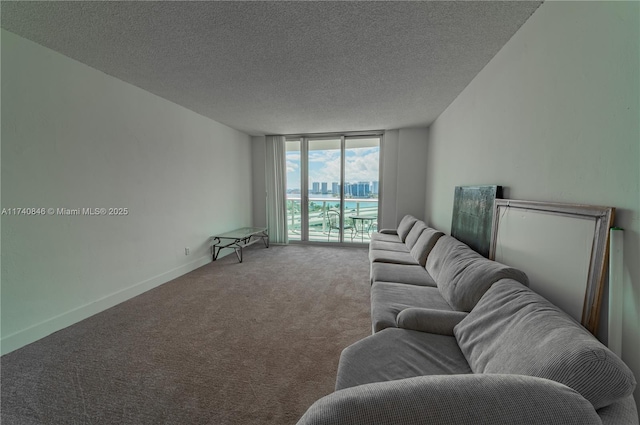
pixel 361 164
pixel 325 171
pixel 362 167
pixel 292 166
pixel 325 156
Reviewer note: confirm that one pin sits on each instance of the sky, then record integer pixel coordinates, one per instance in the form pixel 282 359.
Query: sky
pixel 361 164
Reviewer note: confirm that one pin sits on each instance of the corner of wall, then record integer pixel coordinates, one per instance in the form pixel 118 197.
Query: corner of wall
pixel 412 153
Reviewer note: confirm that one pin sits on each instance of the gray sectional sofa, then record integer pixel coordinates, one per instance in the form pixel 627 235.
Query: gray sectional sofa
pixel 460 339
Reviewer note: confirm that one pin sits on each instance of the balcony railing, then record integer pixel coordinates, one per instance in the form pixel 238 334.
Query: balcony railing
pixel 366 209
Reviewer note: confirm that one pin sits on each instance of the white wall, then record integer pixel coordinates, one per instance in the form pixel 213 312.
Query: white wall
pixel 403 174
pixel 554 117
pixel 74 137
pixel 412 149
pixel 389 183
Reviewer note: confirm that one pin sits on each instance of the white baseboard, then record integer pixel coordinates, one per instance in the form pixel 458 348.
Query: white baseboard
pixel 35 332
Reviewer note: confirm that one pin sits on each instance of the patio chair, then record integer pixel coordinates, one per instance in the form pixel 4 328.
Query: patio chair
pixel 333 219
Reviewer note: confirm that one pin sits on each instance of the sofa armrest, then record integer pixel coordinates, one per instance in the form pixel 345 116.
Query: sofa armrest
pixel 429 320
pixel 621 412
pixel 454 399
pixel 388 231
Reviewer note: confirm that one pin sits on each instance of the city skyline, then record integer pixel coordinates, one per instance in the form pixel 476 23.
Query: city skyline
pixel 361 165
pixel 359 189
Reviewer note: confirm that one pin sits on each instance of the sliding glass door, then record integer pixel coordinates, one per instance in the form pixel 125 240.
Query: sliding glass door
pixel 294 190
pixel 332 188
pixel 362 188
pixel 324 159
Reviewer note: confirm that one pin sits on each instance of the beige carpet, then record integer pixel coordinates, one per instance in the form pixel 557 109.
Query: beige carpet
pixel 229 343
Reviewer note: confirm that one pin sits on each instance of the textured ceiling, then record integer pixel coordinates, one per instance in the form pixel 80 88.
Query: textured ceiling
pixel 283 67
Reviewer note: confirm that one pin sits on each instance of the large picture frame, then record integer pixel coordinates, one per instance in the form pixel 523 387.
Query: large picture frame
pixel 563 248
pixel 471 220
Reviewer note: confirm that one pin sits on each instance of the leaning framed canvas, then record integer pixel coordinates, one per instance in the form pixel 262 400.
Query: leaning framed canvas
pixel 563 249
pixel 472 215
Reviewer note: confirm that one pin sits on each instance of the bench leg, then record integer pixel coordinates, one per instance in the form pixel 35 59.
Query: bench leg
pixel 216 251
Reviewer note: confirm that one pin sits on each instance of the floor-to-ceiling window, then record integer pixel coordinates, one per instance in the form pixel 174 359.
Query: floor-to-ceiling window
pixel 333 187
pixel 294 189
pixel 362 187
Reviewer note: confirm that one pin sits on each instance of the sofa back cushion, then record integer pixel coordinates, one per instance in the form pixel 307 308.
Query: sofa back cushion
pixel 513 330
pixel 405 226
pixel 463 275
pixel 425 244
pixel 414 234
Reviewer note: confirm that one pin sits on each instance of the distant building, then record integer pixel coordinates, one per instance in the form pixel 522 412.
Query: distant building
pixel 315 187
pixel 335 188
pixel 324 188
pixel 375 187
pixel 358 190
pixel 361 190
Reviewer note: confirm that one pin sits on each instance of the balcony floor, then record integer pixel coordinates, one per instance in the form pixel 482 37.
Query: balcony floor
pixel 317 235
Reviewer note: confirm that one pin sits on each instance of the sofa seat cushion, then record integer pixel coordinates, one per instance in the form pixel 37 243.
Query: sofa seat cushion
pixel 401 273
pixel 385 237
pixel 388 246
pixel 396 257
pixel 463 275
pixel 388 299
pixel 397 354
pixel 516 331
